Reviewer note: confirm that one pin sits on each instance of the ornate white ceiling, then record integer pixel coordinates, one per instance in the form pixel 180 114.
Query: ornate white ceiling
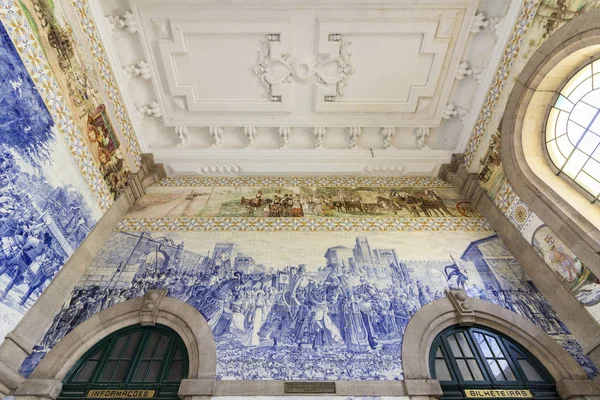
pixel 304 87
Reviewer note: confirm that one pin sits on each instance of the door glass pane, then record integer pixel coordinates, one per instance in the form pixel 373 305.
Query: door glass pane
pixel 121 372
pixel 476 371
pixel 442 372
pixel 176 371
pixel 154 370
pixel 494 346
pixel 151 345
pixel 495 370
pixel 118 349
pixel 454 346
pixel 507 370
pixel 131 344
pixel 530 372
pixel 85 372
pixel 141 371
pixel 162 347
pixel 108 371
pixel 464 370
pixel 462 341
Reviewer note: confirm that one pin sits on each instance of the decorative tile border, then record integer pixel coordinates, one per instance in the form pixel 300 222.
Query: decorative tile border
pixel 19 30
pixel 304 224
pixel 343 181
pixel 511 51
pixel 97 49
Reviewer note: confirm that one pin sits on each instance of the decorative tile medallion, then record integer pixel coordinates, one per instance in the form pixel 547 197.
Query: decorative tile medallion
pixel 511 51
pixel 303 224
pixel 19 30
pixel 343 181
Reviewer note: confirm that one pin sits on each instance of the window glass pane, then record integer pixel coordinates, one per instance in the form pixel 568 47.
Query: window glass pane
pixel 575 132
pixel 550 131
pixel 589 143
pixel 177 355
pixel 131 345
pixel 162 347
pixel 575 163
pixel 141 371
pixel 151 345
pixel 564 146
pixel 581 90
pixel 475 370
pixel 529 371
pixel 555 154
pixel 454 346
pixel 464 370
pixel 109 368
pixel 597 81
pixel 482 344
pixel 176 371
pixel 507 370
pixel 438 353
pixel 85 372
pixel 494 346
pixel 563 104
pixel 590 184
pixel 579 77
pixel 118 349
pixel 496 372
pixel 561 123
pixel 462 341
pixel 442 372
pixel 592 98
pixel 583 114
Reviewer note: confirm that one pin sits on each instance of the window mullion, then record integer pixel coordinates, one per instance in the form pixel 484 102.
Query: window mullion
pixel 135 359
pixel 168 357
pixel 451 360
pixel 482 360
pixel 104 359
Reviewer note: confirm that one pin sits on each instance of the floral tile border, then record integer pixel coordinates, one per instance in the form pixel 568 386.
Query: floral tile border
pixel 347 181
pixel 19 30
pixel 304 224
pixel 97 49
pixel 527 13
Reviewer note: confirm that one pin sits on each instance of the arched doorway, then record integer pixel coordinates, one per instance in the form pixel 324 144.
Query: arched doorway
pixel 477 362
pixel 132 363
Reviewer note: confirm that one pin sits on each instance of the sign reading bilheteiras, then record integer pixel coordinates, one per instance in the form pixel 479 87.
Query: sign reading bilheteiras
pixel 496 394
pixel 119 394
pixel 309 387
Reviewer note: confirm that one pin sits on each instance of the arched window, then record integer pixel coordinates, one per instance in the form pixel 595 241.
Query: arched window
pixel 147 361
pixel 573 130
pixel 475 358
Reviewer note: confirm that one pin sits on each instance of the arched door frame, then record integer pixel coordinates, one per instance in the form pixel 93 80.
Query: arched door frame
pixel 154 308
pixel 458 309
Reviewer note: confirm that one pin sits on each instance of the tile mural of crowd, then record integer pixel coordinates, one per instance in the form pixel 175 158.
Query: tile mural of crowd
pixel 301 201
pixel 46 209
pixel 306 305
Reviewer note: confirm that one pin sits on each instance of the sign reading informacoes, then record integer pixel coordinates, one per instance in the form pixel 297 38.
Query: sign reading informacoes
pixel 120 394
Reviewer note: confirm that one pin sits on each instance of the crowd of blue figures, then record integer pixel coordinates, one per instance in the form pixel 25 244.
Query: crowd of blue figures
pixel 345 321
pixel 40 224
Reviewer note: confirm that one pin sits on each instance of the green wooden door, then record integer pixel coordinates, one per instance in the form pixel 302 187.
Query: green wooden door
pixel 132 363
